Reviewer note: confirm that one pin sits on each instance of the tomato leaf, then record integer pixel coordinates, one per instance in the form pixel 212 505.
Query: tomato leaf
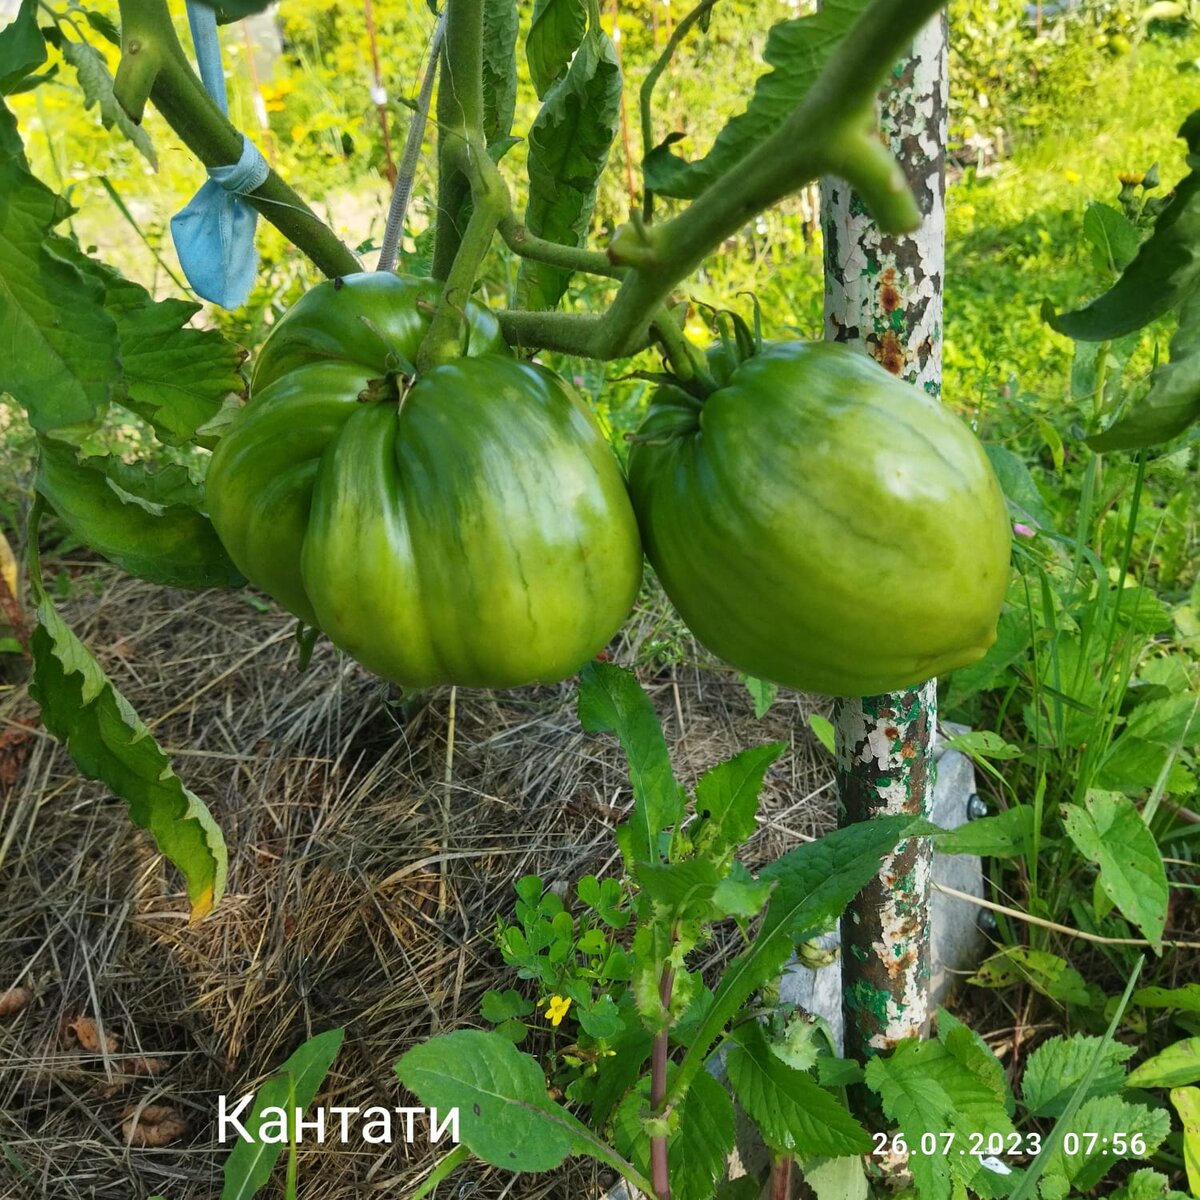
pixel 1173 402
pixel 134 518
pixel 22 47
pixel 499 69
pixel 62 372
pixel 97 83
pixel 107 741
pixel 568 147
pixel 1164 272
pixel 293 1086
pixel 797 50
pixel 555 32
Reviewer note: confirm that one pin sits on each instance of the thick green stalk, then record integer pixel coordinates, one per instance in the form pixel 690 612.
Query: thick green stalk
pixel 460 124
pixel 154 67
pixel 830 132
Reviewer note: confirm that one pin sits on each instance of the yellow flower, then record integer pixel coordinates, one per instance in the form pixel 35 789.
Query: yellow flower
pixel 557 1009
pixel 1130 178
pixel 1072 176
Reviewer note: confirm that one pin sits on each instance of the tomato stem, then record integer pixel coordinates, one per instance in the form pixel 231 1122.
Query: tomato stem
pixel 154 67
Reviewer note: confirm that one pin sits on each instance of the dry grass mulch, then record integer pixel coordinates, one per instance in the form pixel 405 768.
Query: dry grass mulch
pixel 368 863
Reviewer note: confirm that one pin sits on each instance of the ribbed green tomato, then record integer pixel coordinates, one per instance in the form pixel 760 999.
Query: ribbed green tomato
pixel 472 528
pixel 820 523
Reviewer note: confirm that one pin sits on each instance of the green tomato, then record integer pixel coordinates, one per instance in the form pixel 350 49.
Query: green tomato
pixel 819 523
pixel 471 527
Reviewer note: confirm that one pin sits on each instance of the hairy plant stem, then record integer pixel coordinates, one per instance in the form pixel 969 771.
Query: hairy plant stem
pixel 154 67
pixel 831 132
pixel 646 95
pixel 659 1058
pixel 687 361
pixel 460 124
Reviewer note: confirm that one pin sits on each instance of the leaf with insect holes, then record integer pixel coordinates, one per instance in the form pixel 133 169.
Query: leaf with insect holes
pixel 569 143
pixel 1186 1101
pixel 1164 272
pixel 294 1086
pixel 107 741
pixel 610 701
pixel 1175 1066
pixel 97 83
pixel 506 1116
pixel 1041 970
pixel 1061 1064
pixel 1109 831
pixel 1181 999
pixel 796 50
pixel 793 1112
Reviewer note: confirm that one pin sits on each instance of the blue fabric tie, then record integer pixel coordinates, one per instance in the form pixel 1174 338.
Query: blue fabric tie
pixel 214 234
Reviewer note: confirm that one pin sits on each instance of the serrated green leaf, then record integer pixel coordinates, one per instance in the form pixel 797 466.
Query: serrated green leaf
pixel 814 883
pixel 697 1154
pixel 1060 1064
pixel 1006 835
pixel 681 889
pixel 1173 721
pixel 107 741
pixel 171 484
pixel 601 1018
pixel 984 743
pixel 295 1085
pixel 1112 236
pixel 555 32
pixel 171 544
pixel 503 1006
pixel 1148 1185
pixel 965 1045
pixel 499 69
pixel 569 143
pixel 610 701
pixel 1110 832
pixel 1164 272
pixel 62 372
pixel 103 25
pixel 506 1116
pixel 1176 1066
pixel 1019 487
pixel 740 895
pixel 97 83
pixel 1041 970
pixel 1186 1101
pixel 176 377
pixel 1173 401
pixel 727 799
pixel 793 1112
pixel 1181 999
pixel 22 47
pixel 796 50
pixel 1098 1119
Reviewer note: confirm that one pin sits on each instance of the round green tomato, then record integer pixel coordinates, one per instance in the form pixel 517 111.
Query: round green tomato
pixel 471 527
pixel 820 523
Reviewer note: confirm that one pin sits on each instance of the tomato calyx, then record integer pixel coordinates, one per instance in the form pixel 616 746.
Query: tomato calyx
pixel 388 389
